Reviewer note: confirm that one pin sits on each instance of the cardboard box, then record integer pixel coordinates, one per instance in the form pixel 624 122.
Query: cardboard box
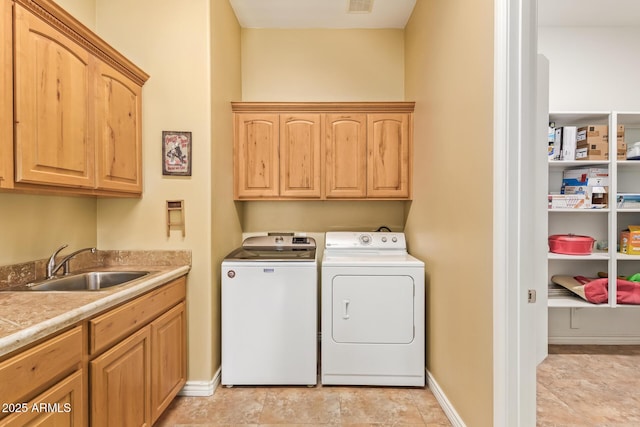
pixel 630 240
pixel 567 201
pixel 585 177
pixel 628 200
pixel 596 197
pixel 592 151
pixel 592 182
pixel 622 150
pixel 592 143
pixel 592 134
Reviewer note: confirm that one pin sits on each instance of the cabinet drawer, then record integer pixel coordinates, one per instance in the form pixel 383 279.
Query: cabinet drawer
pixel 109 328
pixel 40 365
pixel 60 405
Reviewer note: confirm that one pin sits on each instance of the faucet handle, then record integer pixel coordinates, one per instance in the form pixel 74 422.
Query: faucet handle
pixel 51 265
pixel 55 253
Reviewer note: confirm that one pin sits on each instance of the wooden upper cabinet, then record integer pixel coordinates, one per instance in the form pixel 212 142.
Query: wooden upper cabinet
pixel 300 155
pixel 119 131
pixel 53 109
pixel 71 106
pixel 322 150
pixel 346 155
pixel 256 155
pixel 388 155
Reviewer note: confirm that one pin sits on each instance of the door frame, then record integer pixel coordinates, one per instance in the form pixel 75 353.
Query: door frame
pixel 514 330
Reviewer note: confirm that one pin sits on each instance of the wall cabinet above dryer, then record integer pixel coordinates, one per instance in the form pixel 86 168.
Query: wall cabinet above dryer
pixel 320 150
pixel 72 115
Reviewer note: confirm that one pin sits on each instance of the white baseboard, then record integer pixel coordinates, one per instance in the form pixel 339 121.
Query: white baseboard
pixel 201 388
pixel 447 407
pixel 595 340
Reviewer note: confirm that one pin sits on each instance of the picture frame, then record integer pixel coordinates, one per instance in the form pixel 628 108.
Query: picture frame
pixel 176 153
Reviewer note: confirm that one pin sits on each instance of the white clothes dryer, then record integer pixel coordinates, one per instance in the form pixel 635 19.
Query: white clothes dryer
pixel 373 316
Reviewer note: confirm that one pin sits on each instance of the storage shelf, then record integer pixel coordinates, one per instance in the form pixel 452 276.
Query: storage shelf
pixel 572 302
pixel 562 164
pixel 596 255
pixel 627 163
pixel 625 257
pixel 624 177
pixel 581 210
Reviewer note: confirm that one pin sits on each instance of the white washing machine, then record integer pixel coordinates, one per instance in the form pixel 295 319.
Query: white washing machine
pixel 373 317
pixel 269 312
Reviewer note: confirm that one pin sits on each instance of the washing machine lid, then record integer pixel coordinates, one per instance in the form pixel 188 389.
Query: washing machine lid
pixel 242 254
pixel 275 248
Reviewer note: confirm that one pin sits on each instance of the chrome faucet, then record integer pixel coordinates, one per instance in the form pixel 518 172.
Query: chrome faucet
pixel 52 267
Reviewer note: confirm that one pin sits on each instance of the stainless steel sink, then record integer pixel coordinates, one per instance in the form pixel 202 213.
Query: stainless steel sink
pixel 91 281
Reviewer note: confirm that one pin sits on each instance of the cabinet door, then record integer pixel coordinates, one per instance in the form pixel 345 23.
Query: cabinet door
pixel 6 100
pixel 346 155
pixel 256 162
pixel 119 131
pixel 60 405
pixel 54 137
pixel 300 155
pixel 388 155
pixel 121 384
pixel 168 358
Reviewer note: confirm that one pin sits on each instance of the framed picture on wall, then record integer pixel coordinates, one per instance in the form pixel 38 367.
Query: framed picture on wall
pixel 176 153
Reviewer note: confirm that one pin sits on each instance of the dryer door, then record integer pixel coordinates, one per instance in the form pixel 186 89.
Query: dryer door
pixel 373 309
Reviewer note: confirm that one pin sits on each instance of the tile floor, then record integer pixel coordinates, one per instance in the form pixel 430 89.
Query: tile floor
pixel 318 406
pixel 589 385
pixel 577 386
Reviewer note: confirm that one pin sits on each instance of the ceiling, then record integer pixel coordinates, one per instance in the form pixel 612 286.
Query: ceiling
pixel 583 13
pixel 396 13
pixel 321 13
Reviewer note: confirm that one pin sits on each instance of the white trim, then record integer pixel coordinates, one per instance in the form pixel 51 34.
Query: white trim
pixel 445 404
pixel 201 388
pixel 515 68
pixel 501 304
pixel 595 340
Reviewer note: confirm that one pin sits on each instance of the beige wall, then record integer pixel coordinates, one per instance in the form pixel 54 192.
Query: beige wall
pixel 83 10
pixel 449 73
pixel 226 233
pixel 169 39
pixel 33 226
pixel 322 65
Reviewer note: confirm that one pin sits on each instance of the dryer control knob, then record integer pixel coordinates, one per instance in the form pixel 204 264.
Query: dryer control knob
pixel 231 274
pixel 384 240
pixel 394 239
pixel 365 239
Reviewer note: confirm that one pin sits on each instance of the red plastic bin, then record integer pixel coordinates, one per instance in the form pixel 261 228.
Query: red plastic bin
pixel 571 244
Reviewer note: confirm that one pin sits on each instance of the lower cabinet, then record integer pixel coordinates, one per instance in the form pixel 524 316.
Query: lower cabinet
pixel 121 384
pixel 168 360
pixel 60 405
pixel 134 380
pixel 128 372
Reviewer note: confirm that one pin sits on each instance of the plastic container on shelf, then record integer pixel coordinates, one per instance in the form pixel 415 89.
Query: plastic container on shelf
pixel 571 244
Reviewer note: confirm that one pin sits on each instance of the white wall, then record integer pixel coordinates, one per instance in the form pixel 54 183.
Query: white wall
pixel 593 69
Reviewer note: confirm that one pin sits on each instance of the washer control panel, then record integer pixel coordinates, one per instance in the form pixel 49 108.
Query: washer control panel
pixel 364 240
